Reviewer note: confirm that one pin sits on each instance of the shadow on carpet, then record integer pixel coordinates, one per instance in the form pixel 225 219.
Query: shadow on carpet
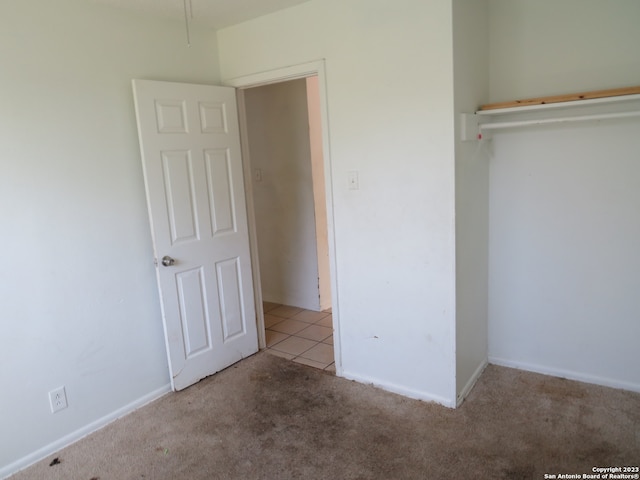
pixel 268 418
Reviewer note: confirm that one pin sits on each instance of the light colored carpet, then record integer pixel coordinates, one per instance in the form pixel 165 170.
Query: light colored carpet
pixel 267 418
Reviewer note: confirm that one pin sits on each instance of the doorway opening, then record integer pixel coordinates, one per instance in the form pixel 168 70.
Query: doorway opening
pixel 285 167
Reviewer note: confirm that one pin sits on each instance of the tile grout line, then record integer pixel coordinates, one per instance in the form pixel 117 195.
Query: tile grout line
pixel 295 357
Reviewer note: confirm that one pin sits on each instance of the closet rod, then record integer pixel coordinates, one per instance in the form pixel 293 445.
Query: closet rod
pixel 545 121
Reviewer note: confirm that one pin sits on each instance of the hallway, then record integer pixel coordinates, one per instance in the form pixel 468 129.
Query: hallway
pixel 303 336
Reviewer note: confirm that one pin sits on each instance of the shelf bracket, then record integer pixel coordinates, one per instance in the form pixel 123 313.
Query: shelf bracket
pixel 469 128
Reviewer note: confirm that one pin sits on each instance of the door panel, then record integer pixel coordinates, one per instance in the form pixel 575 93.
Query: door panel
pixel 193 311
pixel 195 192
pixel 229 282
pixel 178 181
pixel 218 163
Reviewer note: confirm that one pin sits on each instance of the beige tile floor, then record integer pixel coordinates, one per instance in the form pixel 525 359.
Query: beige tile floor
pixel 303 336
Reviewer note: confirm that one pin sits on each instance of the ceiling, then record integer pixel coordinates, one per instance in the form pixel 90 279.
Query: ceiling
pixel 214 13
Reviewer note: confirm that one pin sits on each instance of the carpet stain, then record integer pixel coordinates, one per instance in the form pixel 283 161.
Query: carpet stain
pixel 274 419
pixel 599 454
pixel 560 388
pixel 259 377
pixel 524 472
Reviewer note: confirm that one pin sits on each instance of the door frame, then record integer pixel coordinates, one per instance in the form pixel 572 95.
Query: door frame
pixel 280 75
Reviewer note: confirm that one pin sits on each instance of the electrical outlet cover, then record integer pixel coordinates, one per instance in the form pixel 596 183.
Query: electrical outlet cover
pixel 58 399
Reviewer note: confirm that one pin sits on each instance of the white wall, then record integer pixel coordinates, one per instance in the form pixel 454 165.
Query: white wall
pixel 390 108
pixel 471 83
pixel 278 133
pixel 564 202
pixel 565 232
pixel 550 47
pixel 78 291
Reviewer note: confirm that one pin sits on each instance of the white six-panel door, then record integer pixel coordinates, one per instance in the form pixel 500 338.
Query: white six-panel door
pixel 190 147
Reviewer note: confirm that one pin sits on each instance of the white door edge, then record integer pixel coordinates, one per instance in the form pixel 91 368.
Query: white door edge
pixel 284 74
pixel 251 218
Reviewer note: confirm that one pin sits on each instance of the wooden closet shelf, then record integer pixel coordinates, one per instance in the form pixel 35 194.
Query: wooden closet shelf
pixel 615 92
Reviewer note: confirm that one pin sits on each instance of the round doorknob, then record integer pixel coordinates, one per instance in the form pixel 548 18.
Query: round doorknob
pixel 167 261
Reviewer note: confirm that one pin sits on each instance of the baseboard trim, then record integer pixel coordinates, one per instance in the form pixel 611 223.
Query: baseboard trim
pixel 73 437
pixel 471 382
pixel 293 301
pixel 568 374
pixel 407 392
